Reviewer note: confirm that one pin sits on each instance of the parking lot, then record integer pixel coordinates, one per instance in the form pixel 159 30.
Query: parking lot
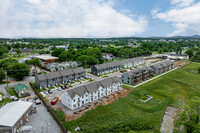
pixel 42 121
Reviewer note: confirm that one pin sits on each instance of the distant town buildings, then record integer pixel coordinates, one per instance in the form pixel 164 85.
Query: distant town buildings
pixel 176 57
pixel 46 58
pixel 80 96
pixel 59 77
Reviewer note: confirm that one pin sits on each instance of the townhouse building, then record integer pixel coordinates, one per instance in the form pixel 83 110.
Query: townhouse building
pixel 137 75
pixel 145 72
pixel 82 95
pixel 162 66
pixel 105 68
pixel 59 77
pixel 113 66
pixel 127 63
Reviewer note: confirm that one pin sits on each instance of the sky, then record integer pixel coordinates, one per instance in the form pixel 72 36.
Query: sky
pixel 98 18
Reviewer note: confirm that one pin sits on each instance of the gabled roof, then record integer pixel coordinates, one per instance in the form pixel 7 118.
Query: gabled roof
pixel 41 77
pixel 106 82
pixel 53 75
pixel 116 79
pixel 66 72
pixel 97 66
pixel 136 72
pixel 81 90
pixel 92 87
pixel 78 70
pixel 20 87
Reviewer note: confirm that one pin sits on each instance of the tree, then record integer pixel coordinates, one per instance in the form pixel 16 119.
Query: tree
pixel 189 52
pixel 18 51
pixel 19 71
pixel 57 52
pixel 190 117
pixel 34 62
pixel 63 56
pixel 2 74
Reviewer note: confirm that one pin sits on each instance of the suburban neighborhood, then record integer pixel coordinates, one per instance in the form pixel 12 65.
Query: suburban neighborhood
pixel 100 66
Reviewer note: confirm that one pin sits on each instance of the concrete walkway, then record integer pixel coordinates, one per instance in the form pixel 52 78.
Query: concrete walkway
pixel 150 79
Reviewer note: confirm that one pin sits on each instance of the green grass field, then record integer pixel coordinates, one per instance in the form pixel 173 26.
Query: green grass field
pixel 129 114
pixel 5 100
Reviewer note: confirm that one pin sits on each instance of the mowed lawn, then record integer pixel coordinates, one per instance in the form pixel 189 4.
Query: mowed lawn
pixel 129 114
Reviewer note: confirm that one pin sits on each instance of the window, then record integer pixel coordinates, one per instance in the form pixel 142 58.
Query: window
pixel 66 76
pixel 128 82
pixel 74 100
pixel 74 105
pixel 128 78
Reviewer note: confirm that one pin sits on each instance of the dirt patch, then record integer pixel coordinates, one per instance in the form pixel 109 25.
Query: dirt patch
pixel 111 99
pixel 180 63
pixel 168 120
pixel 153 60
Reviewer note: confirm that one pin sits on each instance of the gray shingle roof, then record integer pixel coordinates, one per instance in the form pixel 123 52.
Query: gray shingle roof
pixel 53 75
pixel 66 72
pixel 116 79
pixel 78 70
pixel 92 87
pixel 41 77
pixel 106 82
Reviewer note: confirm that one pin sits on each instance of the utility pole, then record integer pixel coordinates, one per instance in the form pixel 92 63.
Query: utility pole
pixel 6 78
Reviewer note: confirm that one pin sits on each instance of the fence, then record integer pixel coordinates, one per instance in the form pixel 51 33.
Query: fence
pixel 48 109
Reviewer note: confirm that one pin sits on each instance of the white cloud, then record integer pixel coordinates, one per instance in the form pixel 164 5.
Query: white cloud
pixel 182 3
pixel 66 18
pixel 186 20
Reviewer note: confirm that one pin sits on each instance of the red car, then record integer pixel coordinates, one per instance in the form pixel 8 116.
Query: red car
pixel 37 102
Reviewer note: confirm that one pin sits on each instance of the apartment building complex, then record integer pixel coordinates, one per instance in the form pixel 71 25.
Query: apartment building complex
pixel 77 97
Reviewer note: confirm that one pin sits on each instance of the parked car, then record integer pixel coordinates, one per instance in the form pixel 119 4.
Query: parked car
pixel 125 70
pixel 50 92
pixel 131 68
pixel 13 98
pixel 121 71
pixel 46 92
pixel 59 89
pixel 37 102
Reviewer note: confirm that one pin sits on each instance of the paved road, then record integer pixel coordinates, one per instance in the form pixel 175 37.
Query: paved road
pixel 150 79
pixel 25 81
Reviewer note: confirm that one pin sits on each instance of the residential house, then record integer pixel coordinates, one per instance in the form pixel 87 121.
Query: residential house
pixel 80 96
pixel 79 73
pixel 54 78
pixel 105 68
pixel 137 75
pixel 41 81
pixel 162 67
pixel 133 62
pixel 59 77
pixel 67 76
pixel 22 90
pixel 25 50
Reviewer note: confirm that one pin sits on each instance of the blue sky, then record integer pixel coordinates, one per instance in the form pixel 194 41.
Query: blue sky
pixel 99 18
